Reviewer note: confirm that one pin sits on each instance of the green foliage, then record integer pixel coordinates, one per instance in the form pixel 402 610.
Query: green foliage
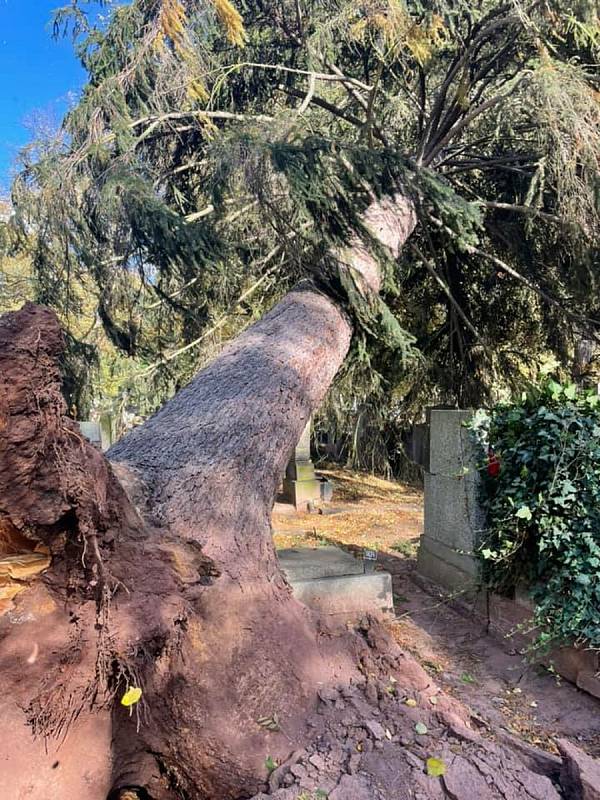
pixel 270 764
pixel 407 547
pixel 209 164
pixel 544 509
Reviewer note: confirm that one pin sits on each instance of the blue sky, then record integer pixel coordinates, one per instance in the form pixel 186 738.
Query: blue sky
pixel 36 73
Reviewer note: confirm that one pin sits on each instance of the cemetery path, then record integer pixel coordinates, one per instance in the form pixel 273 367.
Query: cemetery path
pixel 508 698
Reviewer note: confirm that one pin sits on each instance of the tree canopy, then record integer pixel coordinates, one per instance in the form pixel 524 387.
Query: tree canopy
pixel 217 152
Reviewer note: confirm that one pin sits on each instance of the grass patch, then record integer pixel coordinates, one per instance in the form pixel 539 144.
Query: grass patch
pixel 407 547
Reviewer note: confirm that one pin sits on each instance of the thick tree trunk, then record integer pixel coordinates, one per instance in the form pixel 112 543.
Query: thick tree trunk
pixel 166 579
pixel 210 463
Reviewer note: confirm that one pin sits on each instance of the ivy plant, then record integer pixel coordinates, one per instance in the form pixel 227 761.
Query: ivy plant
pixel 543 507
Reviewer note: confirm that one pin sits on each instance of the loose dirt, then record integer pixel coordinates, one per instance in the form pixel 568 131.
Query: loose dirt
pixel 493 693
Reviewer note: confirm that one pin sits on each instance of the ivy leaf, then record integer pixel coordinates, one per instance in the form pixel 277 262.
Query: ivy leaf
pixel 555 389
pixel 435 767
pixel 524 513
pixel 570 391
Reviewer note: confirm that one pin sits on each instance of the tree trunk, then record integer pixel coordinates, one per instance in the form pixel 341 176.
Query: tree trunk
pixel 166 579
pixel 210 463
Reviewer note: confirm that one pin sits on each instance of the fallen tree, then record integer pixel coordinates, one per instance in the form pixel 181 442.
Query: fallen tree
pixel 183 596
pixel 159 574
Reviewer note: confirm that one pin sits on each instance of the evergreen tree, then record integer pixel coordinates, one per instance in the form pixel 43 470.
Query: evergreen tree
pixel 217 153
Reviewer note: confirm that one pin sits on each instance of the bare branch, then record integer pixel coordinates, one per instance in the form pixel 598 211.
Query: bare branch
pixel 335 75
pixel 446 289
pixel 466 120
pixel 325 104
pixel 311 90
pixel 527 210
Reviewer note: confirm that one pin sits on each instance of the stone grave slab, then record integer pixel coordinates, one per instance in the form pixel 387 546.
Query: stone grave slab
pixel 306 563
pixel 333 581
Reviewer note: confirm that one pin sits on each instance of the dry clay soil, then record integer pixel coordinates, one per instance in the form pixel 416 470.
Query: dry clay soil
pixel 442 689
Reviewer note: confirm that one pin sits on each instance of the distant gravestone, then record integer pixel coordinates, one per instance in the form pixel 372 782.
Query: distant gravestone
pixel 300 485
pixel 99 433
pixel 91 431
pixel 106 431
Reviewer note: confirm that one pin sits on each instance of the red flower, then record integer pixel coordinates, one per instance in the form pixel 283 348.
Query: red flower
pixel 493 466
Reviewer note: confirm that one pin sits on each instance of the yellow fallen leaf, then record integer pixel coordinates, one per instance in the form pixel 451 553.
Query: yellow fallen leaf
pixel 270 723
pixel 435 767
pixel 410 702
pixel 131 696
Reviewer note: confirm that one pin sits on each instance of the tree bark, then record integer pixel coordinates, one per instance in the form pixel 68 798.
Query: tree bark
pixel 181 595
